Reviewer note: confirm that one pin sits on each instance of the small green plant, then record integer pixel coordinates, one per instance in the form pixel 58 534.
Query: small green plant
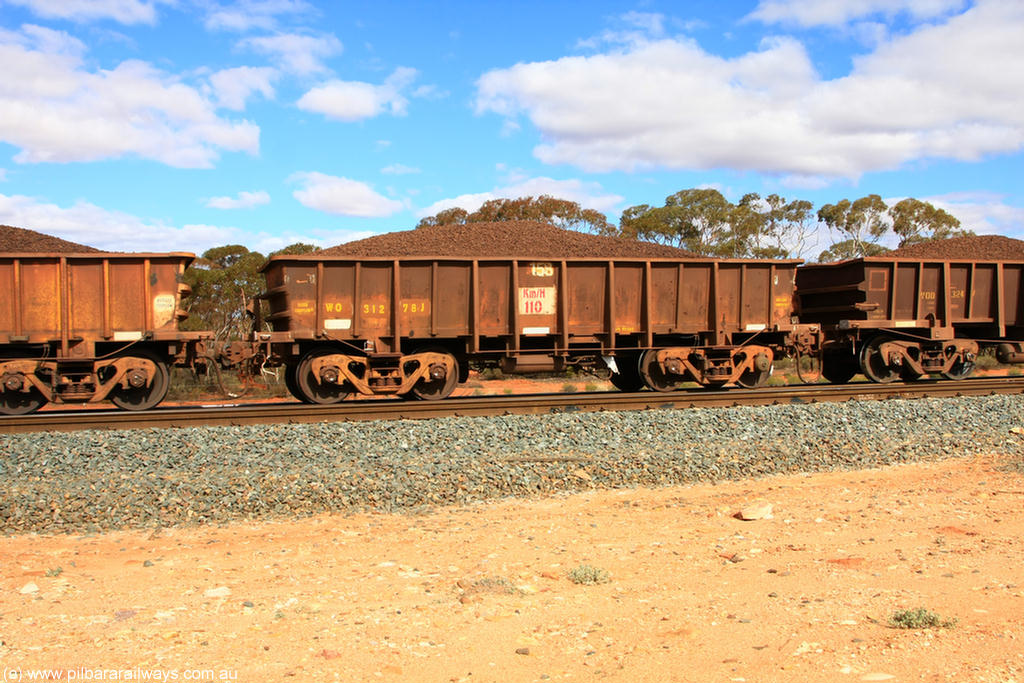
pixel 491 373
pixel 919 618
pixel 568 388
pixel 498 585
pixel 507 390
pixel 588 576
pixel 55 571
pixel 590 386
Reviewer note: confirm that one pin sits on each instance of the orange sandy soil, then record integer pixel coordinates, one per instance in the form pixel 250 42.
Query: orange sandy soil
pixel 482 593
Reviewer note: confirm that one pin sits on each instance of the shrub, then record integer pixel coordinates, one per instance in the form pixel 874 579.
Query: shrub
pixel 588 576
pixel 919 618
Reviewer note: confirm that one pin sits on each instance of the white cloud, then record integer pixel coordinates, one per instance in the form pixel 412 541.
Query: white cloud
pixel 244 200
pixel 95 226
pixel 232 87
pixel 985 213
pixel 122 11
pixel 953 90
pixel 296 53
pixel 395 169
pixel 342 196
pixel 109 230
pixel 589 195
pixel 355 100
pixel 3 175
pixel 251 14
pixel 54 109
pixel 837 12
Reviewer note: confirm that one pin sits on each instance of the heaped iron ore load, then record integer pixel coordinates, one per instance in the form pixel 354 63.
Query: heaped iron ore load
pixel 87 327
pixel 502 239
pixel 898 318
pixel 414 325
pixel 20 240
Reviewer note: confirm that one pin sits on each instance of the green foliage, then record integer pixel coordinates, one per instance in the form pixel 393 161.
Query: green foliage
pixel 861 223
pixel 223 281
pixel 705 222
pixel 295 249
pixel 588 576
pixel 545 209
pixel 919 618
pixel 568 388
pixel 916 221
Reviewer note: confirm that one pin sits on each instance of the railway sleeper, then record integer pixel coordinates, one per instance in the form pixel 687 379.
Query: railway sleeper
pixel 385 373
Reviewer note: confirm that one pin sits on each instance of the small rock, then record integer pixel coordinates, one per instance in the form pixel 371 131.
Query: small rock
pixel 758 509
pixel 877 677
pixel 522 650
pixel 29 588
pixel 219 592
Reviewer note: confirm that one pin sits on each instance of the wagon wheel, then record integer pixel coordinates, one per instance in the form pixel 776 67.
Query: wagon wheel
pixel 291 381
pixel 308 388
pixel 139 395
pixel 753 378
pixel 839 368
pixel 960 370
pixel 654 376
pixel 442 387
pixel 873 365
pixel 628 377
pixel 21 402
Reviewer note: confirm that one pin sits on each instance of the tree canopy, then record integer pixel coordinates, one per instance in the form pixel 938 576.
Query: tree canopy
pixel 705 222
pixel 863 223
pixel 545 209
pixel 223 281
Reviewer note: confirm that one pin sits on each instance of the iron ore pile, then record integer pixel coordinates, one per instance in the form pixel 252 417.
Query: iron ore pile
pixel 98 480
pixel 994 247
pixel 20 240
pixel 504 238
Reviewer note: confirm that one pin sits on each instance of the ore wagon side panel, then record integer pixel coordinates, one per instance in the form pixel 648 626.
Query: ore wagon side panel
pixel 695 289
pixel 9 320
pixel 91 298
pixel 415 307
pixel 453 298
pixel 587 298
pixel 628 295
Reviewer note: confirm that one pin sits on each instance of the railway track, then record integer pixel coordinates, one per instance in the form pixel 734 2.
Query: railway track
pixel 389 409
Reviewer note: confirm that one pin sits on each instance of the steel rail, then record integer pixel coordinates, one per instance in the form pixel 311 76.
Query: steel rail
pixel 390 409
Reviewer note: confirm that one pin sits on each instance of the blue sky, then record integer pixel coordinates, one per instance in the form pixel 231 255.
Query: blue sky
pixel 186 124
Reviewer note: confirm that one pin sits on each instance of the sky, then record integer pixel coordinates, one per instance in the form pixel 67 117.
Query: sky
pixel 180 125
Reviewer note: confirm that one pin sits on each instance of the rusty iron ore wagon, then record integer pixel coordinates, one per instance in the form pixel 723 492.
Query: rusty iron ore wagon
pixel 897 318
pixel 415 325
pixel 89 327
